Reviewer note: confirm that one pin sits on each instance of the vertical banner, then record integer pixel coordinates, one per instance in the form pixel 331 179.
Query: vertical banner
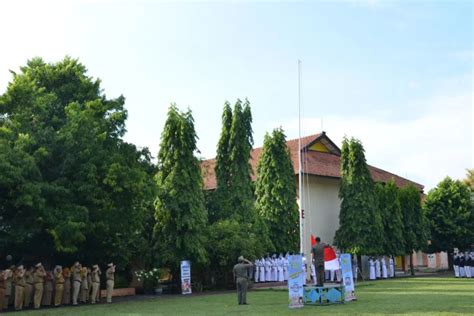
pixel 347 276
pixel 295 281
pixel 185 277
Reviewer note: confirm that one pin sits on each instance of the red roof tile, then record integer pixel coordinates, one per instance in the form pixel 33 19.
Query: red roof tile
pixel 315 163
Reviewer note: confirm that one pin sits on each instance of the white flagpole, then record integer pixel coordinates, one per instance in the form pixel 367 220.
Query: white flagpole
pixel 300 178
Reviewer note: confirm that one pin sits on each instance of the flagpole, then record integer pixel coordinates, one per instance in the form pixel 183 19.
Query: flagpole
pixel 300 182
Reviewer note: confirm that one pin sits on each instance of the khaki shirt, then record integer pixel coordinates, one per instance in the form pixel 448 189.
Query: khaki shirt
pixel 20 280
pixel 58 276
pixel 29 278
pixel 242 270
pixel 38 276
pixel 76 274
pixel 110 274
pixel 95 276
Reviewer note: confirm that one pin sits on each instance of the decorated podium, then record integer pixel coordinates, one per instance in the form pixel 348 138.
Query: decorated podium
pixel 323 295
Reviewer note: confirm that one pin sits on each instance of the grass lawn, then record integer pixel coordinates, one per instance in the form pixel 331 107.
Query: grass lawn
pixel 415 296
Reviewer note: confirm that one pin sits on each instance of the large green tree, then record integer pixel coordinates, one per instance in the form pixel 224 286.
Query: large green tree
pixel 360 224
pixel 414 221
pixel 275 190
pixel 87 189
pixel 450 213
pixel 181 217
pixel 391 213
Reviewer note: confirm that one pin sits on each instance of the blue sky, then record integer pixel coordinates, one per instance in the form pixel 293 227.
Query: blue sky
pixel 396 74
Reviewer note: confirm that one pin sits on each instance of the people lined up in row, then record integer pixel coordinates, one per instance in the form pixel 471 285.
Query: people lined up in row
pixel 271 269
pixel 21 287
pixel 381 267
pixel 463 264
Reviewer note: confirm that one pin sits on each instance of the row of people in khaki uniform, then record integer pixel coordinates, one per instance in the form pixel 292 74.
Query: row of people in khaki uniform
pixel 20 287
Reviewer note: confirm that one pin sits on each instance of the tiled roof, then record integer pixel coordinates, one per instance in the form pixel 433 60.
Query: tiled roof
pixel 315 163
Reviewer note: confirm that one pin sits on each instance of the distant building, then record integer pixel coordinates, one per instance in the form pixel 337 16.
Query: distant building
pixel 321 181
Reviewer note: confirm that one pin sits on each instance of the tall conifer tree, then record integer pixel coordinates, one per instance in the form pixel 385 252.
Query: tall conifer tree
pixel 360 223
pixel 276 192
pixel 180 213
pixel 414 220
pixel 391 213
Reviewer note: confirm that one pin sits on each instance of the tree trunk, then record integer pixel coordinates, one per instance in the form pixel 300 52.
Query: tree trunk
pixel 412 270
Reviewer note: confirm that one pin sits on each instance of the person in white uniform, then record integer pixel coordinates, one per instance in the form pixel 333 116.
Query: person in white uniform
pixel 285 267
pixel 281 276
pixel 456 265
pixel 261 274
pixel 377 268
pixel 384 268
pixel 268 269
pixel 256 274
pixel 372 274
pixel 462 273
pixel 313 273
pixel 391 267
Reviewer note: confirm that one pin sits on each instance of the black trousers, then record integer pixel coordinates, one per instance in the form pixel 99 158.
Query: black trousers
pixel 320 274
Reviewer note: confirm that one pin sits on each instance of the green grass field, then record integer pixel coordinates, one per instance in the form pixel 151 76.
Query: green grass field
pixel 415 296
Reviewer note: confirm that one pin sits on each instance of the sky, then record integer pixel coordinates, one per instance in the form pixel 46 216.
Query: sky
pixel 398 75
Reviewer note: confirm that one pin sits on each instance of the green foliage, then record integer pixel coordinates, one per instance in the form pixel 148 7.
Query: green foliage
pixel 181 218
pixel 276 192
pixel 450 213
pixel 391 212
pixel 414 219
pixel 469 180
pixel 80 189
pixel 360 224
pixel 232 206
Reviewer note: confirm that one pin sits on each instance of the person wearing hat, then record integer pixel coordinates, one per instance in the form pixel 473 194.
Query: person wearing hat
pixel 20 284
pixel 38 279
pixel 95 279
pixel 241 274
pixel 109 274
pixel 76 282
pixel 59 287
pixel 67 286
pixel 8 287
pixel 3 285
pixel 84 285
pixel 29 288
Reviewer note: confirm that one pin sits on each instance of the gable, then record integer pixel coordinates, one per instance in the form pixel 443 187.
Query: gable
pixel 318 146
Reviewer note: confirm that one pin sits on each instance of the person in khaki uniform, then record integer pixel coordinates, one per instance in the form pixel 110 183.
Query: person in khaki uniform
pixel 59 287
pixel 89 282
pixel 84 285
pixel 29 287
pixel 95 281
pixel 20 284
pixel 242 271
pixel 67 287
pixel 109 274
pixel 48 289
pixel 38 278
pixel 3 285
pixel 8 287
pixel 76 282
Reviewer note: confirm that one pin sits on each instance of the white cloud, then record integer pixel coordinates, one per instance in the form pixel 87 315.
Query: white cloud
pixel 425 149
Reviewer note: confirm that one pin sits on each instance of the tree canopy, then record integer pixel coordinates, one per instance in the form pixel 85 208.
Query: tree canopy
pixel 181 217
pixel 68 180
pixel 392 220
pixel 450 213
pixel 360 223
pixel 275 192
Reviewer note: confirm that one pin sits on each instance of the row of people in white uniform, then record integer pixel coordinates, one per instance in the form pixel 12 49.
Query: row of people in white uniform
pixel 271 269
pixel 381 267
pixel 463 264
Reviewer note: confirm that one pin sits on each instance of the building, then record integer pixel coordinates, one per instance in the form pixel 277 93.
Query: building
pixel 321 180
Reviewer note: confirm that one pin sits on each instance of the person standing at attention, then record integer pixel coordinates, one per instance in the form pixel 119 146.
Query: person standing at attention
pixel 241 275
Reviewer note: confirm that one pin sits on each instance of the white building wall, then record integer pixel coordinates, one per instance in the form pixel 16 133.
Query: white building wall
pixel 321 207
